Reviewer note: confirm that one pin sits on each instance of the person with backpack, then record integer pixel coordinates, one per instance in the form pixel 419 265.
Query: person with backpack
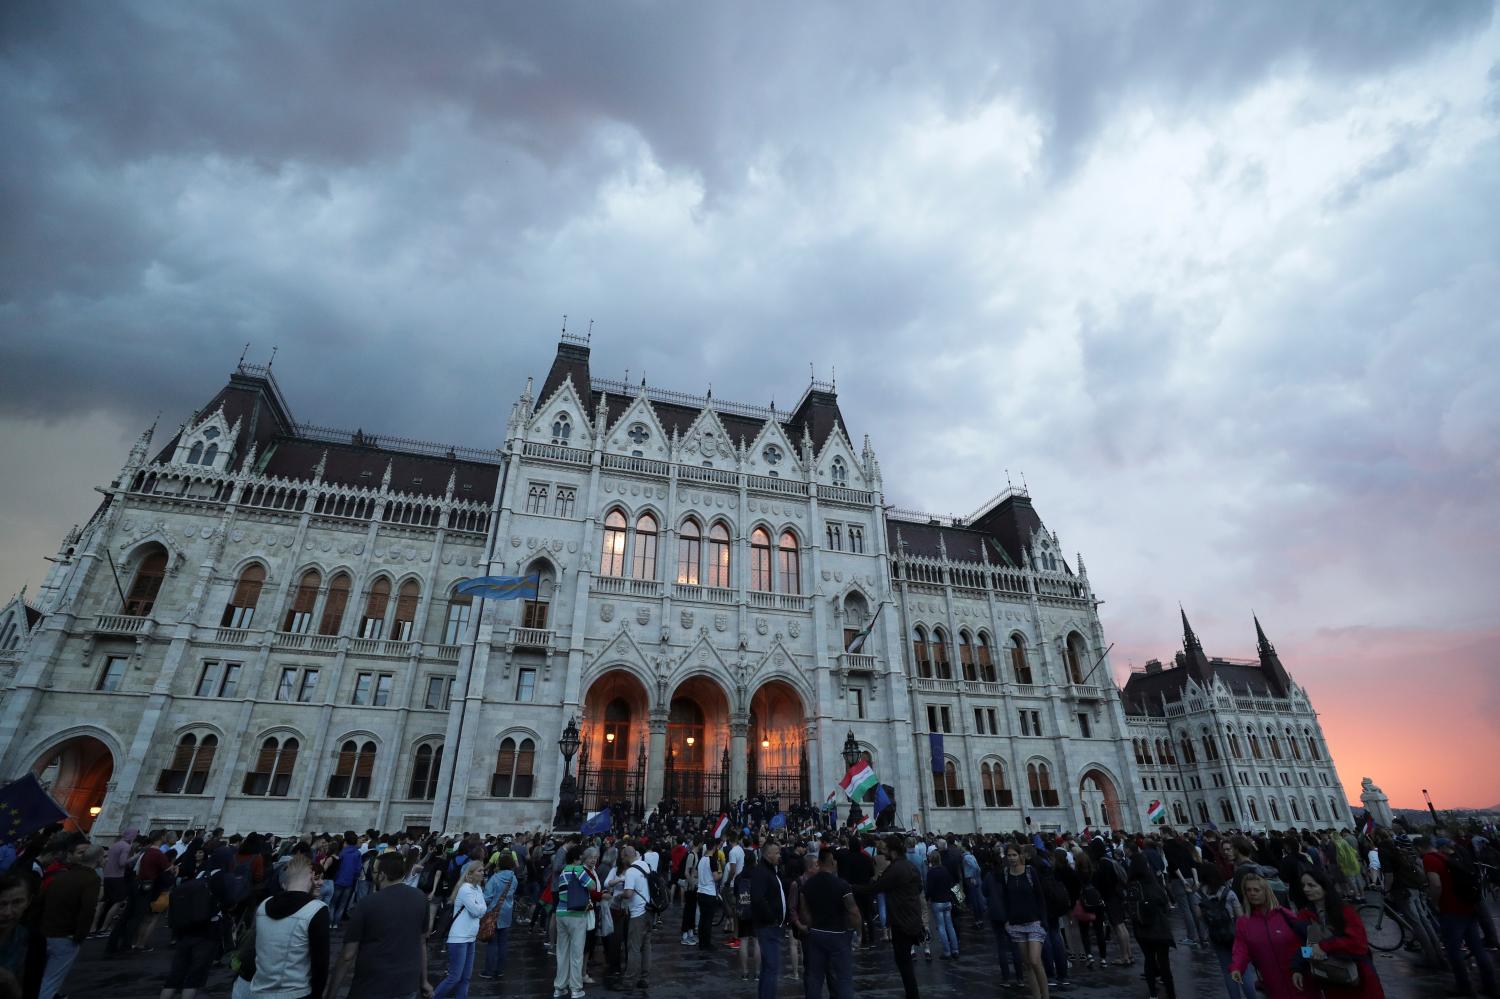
pixel 1148 905
pixel 1337 945
pixel 1220 908
pixel 641 891
pixel 67 911
pixel 1110 878
pixel 1025 910
pixel 687 878
pixel 1454 890
pixel 194 918
pixel 739 894
pixel 500 898
pixel 1267 937
pixel 573 890
pixel 709 874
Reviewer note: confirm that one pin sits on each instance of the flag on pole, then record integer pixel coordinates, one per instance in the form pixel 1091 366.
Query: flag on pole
pixel 828 803
pixel 858 641
pixel 866 826
pixel 1156 812
pixel 882 800
pixel 25 807
pixel 501 587
pixel 598 823
pixel 721 825
pixel 778 821
pixel 858 781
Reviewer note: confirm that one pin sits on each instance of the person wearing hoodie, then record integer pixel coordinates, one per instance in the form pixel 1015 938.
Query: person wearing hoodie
pixel 346 877
pixel 116 884
pixel 291 941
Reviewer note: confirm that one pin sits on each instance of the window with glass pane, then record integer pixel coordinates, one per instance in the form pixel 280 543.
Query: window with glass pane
pixel 424 772
pixel 966 656
pixel 536 498
pixel 689 552
pixel 334 605
pixel 459 605
pixel 790 564
pixel 940 655
pixel 986 664
pixel 208 680
pixel 760 560
pixel 920 653
pixel 231 680
pixel 718 556
pixel 1083 726
pixel 645 547
pixel 299 614
pixel 113 673
pixel 287 688
pixel 859 702
pixel 174 775
pixel 1018 659
pixel 437 693
pixel 362 684
pixel 309 686
pixel 857 540
pixel 525 684
pixel 834 538
pixel 364 769
pixel 241 606
pixel 612 555
pixel 406 611
pixel 383 684
pixel 563 508
pixel 147 584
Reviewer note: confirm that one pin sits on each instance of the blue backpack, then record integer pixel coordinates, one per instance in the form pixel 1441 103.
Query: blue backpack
pixel 571 892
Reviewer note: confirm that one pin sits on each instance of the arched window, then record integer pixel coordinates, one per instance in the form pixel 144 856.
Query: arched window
pixel 1312 748
pixel 966 656
pixel 187 773
pixel 1077 654
pixel 645 547
pixel 718 556
pixel 940 655
pixel 1275 810
pixel 272 772
pixel 1274 743
pixel 195 453
pixel 1140 759
pixel 241 607
pixel 299 614
pixel 790 564
pixel 406 611
pixel 947 791
pixel 459 606
pixel 1018 663
pixel 1203 818
pixel 1039 781
pixel 372 625
pixel 334 605
pixel 920 652
pixel 147 584
pixel 839 472
pixel 351 775
pixel 1317 812
pixel 760 560
pixel 1161 753
pixel 1179 813
pixel 689 552
pixel 1333 811
pixel 616 733
pixel 1226 810
pixel 1210 748
pixel 1255 746
pixel 612 556
pixel 1189 754
pixel 1296 812
pixel 1293 744
pixel 1234 744
pixel 986 660
pixel 1254 811
pixel 211 454
pixel 513 777
pixel 424 772
pixel 562 429
pixel 996 793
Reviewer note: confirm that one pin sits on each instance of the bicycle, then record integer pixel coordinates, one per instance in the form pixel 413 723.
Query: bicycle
pixel 1385 926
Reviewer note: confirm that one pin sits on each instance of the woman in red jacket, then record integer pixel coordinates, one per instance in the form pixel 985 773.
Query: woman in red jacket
pixel 1338 932
pixel 1267 937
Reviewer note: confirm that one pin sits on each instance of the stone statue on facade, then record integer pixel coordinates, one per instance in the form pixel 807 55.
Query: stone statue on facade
pixel 1376 803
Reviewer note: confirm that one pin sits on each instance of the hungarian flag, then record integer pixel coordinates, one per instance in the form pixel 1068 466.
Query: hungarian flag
pixel 1156 813
pixel 721 825
pixel 868 825
pixel 858 641
pixel 858 781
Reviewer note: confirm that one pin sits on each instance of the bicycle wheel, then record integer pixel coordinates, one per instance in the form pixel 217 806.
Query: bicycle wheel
pixel 1384 930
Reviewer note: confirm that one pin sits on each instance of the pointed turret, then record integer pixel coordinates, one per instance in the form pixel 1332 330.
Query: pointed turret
pixel 1270 663
pixel 1196 662
pixel 142 446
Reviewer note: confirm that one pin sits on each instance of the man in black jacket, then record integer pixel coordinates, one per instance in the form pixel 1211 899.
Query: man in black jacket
pixel 902 887
pixel 768 912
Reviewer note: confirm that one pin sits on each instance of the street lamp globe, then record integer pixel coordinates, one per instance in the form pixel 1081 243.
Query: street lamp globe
pixel 851 750
pixel 569 741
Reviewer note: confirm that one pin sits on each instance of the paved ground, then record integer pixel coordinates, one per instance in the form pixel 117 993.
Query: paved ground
pixel 680 972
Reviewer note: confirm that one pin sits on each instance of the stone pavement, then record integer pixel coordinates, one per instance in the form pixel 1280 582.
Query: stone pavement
pixel 680 972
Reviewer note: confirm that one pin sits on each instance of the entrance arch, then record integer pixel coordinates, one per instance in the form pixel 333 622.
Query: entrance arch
pixel 777 765
pixel 1101 801
pixel 698 746
pixel 76 772
pixel 612 755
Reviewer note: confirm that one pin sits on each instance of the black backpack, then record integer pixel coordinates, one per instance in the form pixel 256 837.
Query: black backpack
pixel 1055 894
pixel 1464 878
pixel 190 905
pixel 656 889
pixel 742 895
pixel 1216 915
pixel 235 882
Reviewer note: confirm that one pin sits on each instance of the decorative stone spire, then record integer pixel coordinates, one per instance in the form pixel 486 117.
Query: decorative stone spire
pixel 142 446
pixel 321 466
pixel 943 547
pixel 385 480
pixel 1196 662
pixel 248 468
pixel 1083 572
pixel 452 481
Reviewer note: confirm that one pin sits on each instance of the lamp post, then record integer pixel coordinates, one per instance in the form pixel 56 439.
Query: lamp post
pixel 567 793
pixel 851 757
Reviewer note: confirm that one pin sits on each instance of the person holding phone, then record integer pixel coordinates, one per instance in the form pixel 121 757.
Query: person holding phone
pixel 1268 937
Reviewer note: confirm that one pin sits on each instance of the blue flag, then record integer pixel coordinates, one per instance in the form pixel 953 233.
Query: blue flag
pixel 778 821
pixel 882 800
pixel 500 587
pixel 598 824
pixel 25 807
pixel 936 741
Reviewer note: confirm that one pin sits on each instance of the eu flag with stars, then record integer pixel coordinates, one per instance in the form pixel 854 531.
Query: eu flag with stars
pixel 25 807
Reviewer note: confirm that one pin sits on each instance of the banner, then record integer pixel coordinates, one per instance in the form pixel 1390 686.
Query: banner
pixel 935 741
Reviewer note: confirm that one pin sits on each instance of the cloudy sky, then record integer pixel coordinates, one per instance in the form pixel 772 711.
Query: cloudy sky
pixel 1222 280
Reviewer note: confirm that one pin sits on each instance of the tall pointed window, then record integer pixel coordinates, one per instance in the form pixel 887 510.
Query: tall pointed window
pixel 272 772
pixel 616 734
pixel 1018 663
pixel 760 560
pixel 299 614
pixel 966 656
pixel 352 772
pixel 241 607
pixel 986 660
pixel 920 652
pixel 612 556
pixel 839 472
pixel 689 552
pixel 947 791
pixel 211 455
pixel 645 547
pixel 562 429
pixel 1077 653
pixel 147 584
pixel 790 564
pixel 424 772
pixel 718 555
pixel 513 769
pixel 195 453
pixel 187 772
pixel 457 623
pixel 996 793
pixel 940 655
pixel 334 605
pixel 1312 747
pixel 372 625
pixel 406 611
pixel 1039 779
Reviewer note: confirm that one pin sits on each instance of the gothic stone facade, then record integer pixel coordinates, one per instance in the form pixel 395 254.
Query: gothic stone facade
pixel 258 627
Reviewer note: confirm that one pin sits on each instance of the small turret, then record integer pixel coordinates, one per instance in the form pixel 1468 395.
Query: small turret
pixel 1277 677
pixel 1196 662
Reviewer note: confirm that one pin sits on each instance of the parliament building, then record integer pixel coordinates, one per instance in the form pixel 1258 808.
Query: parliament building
pixel 259 629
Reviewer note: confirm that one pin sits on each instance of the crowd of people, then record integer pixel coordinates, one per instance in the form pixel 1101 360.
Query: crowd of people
pixel 1277 911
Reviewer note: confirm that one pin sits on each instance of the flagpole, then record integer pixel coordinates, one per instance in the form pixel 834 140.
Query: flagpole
pixel 116 574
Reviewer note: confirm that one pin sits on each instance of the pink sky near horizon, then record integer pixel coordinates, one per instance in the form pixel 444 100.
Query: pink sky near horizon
pixel 1409 708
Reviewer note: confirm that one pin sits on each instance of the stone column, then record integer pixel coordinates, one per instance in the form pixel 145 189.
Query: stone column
pixel 739 731
pixel 656 758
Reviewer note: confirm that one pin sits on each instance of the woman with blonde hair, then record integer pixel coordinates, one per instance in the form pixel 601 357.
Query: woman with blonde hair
pixel 467 900
pixel 1268 937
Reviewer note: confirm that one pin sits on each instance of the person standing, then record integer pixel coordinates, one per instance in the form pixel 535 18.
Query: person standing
pixel 1220 908
pixel 708 893
pixel 467 902
pixel 1265 937
pixel 1454 890
pixel 637 959
pixel 831 916
pixel 1335 930
pixel 1152 927
pixel 291 940
pixel 902 885
pixel 116 879
pixel 500 897
pixel 768 913
pixel 688 879
pixel 938 889
pixel 346 876
pixel 572 891
pixel 1025 909
pixel 734 866
pixel 68 912
pixel 23 951
pixel 154 875
pixel 383 939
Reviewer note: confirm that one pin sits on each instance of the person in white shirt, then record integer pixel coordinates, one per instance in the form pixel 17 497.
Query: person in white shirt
pixel 468 908
pixel 734 866
pixel 638 935
pixel 651 859
pixel 708 894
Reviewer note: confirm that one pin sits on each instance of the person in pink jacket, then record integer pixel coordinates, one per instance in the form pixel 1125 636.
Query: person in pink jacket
pixel 1268 937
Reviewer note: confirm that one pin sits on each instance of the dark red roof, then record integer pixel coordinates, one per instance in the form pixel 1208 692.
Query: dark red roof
pixel 353 465
pixel 929 541
pixel 1144 691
